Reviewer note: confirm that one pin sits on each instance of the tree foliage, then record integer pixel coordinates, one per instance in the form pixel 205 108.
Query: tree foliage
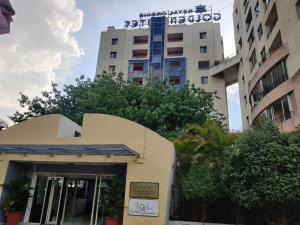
pixel 201 154
pixel 263 170
pixel 156 105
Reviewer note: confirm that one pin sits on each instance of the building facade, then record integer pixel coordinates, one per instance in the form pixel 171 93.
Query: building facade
pixel 267 34
pixel 66 166
pixel 175 53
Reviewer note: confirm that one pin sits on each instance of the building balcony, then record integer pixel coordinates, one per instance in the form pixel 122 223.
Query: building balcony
pixel 140 53
pixel 139 40
pixel 137 74
pixel 174 52
pixel 175 37
pixel 267 63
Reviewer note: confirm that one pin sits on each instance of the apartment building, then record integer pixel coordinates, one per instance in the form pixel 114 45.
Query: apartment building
pixel 175 53
pixel 267 37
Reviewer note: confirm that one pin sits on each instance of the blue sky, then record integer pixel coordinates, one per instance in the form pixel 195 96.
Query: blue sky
pixel 62 43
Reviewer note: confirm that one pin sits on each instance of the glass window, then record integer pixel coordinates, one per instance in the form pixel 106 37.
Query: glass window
pixel 174 80
pixel 114 41
pixel 286 108
pixel 256 9
pixel 138 67
pixel 156 59
pixel 111 69
pixel 203 35
pixel 174 65
pixel 203 49
pixel 204 80
pixel 113 55
pixel 157 37
pixel 203 65
pixel 253 60
pixel 138 80
pixel 260 31
pixel 263 55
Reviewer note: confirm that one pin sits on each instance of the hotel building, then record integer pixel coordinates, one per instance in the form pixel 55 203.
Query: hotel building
pixel 175 53
pixel 267 34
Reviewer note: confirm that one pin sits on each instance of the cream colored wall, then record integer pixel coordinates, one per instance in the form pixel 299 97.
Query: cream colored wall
pixel 156 163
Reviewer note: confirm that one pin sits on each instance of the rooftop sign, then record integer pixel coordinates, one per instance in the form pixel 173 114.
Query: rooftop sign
pixel 184 16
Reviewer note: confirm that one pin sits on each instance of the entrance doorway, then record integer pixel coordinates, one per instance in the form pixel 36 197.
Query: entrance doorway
pixel 68 200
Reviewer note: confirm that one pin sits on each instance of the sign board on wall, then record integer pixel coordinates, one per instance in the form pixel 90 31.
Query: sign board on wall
pixel 144 190
pixel 143 207
pixel 201 13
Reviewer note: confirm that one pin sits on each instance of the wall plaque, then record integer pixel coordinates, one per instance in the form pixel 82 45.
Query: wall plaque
pixel 143 207
pixel 144 190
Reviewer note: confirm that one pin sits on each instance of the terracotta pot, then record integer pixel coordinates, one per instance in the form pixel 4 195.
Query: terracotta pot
pixel 14 218
pixel 112 221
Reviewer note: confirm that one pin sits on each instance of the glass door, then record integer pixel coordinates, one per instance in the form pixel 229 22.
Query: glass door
pixel 51 212
pixel 96 215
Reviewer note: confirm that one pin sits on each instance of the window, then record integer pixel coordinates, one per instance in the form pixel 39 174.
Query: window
pixel 176 37
pixel 141 53
pixel 251 39
pixel 260 31
pixel 138 80
pixel 248 20
pixel 240 43
pixel 298 8
pixel 140 40
pixel 245 98
pixel 111 69
pixel 175 51
pixel 238 27
pixel 203 35
pixel 256 9
pixel 280 110
pixel 243 78
pixel 113 55
pixel 204 80
pixel 263 55
pixel 156 59
pixel 174 80
pixel 174 65
pixel 203 49
pixel 114 41
pixel 157 37
pixel 273 78
pixel 203 65
pixel 253 60
pixel 138 67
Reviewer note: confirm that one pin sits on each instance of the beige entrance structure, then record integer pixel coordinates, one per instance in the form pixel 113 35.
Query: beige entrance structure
pixel 55 145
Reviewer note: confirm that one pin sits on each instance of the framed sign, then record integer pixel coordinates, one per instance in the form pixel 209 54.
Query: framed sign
pixel 143 207
pixel 144 190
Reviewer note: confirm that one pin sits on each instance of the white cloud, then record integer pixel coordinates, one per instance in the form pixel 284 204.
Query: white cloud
pixel 41 42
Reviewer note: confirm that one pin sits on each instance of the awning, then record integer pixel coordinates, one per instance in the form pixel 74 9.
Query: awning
pixel 113 149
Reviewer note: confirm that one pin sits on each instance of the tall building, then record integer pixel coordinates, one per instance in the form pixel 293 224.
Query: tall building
pixel 174 53
pixel 267 37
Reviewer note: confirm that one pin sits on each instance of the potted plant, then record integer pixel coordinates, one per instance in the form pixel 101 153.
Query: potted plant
pixel 15 204
pixel 113 200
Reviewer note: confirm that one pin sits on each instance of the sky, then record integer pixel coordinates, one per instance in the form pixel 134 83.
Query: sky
pixel 58 40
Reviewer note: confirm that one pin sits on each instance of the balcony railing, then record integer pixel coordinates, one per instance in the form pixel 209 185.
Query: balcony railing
pixel 176 72
pixel 137 74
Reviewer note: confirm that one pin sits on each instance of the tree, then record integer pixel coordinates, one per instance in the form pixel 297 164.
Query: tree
pixel 3 124
pixel 200 154
pixel 156 105
pixel 263 171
